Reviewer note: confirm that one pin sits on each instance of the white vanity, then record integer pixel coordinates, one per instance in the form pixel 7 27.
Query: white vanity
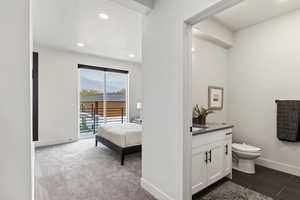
pixel 211 155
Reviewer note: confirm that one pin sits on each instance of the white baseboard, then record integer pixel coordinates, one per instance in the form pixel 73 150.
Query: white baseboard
pixel 290 169
pixel 156 192
pixel 53 142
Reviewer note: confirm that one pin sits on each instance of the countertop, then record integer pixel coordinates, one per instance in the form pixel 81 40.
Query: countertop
pixel 211 127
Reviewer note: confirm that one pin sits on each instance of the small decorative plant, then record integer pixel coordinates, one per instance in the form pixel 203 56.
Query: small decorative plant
pixel 200 114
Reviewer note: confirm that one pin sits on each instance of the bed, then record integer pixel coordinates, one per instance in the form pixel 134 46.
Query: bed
pixel 123 138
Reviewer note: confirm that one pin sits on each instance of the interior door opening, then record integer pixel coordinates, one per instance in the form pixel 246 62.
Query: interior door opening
pixel 196 178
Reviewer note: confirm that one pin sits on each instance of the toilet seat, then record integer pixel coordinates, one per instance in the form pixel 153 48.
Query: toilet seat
pixel 245 156
pixel 245 148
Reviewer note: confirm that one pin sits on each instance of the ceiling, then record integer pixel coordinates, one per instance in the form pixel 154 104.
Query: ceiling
pixel 64 23
pixel 252 12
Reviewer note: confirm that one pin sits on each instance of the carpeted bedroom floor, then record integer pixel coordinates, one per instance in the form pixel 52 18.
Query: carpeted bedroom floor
pixel 79 171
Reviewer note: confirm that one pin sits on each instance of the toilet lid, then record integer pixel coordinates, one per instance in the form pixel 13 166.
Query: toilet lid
pixel 244 147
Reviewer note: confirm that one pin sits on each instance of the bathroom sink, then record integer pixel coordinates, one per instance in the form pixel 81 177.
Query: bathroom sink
pixel 196 129
pixel 200 126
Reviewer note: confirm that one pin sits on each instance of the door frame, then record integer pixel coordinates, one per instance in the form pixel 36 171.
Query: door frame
pixel 35 96
pixel 187 86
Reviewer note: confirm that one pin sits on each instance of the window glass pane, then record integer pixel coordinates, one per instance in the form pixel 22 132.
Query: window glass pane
pixel 116 92
pixel 91 101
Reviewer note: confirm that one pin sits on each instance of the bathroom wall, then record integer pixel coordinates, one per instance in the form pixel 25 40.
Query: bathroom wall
pixel 264 66
pixel 210 67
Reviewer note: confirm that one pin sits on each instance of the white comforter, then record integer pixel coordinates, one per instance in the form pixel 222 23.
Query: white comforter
pixel 123 135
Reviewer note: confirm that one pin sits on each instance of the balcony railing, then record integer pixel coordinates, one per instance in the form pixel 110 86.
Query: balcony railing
pixel 92 117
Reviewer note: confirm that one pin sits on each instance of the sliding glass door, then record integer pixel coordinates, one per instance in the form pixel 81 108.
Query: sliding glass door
pixel 116 95
pixel 103 98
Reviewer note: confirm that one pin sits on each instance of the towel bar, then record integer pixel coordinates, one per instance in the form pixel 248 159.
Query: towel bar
pixel 277 100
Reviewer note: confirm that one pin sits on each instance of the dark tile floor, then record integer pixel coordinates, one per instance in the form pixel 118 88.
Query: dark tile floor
pixel 272 183
pixel 275 184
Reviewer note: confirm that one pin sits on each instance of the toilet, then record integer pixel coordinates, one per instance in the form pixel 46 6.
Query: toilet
pixel 244 157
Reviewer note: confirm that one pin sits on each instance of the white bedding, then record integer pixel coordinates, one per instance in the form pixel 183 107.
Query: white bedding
pixel 123 135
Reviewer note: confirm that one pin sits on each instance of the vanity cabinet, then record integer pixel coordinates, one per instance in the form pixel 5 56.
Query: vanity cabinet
pixel 215 162
pixel 199 166
pixel 211 158
pixel 227 159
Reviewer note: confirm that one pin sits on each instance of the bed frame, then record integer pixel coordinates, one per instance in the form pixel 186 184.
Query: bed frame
pixel 120 150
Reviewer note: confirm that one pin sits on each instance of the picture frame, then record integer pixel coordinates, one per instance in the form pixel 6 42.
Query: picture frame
pixel 215 97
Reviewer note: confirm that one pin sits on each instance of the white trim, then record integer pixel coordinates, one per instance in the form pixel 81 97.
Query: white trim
pixel 187 118
pixel 290 169
pixel 54 142
pixel 212 10
pixel 155 191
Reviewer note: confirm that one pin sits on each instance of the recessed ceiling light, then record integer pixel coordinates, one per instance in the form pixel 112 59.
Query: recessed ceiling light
pixel 193 49
pixel 80 44
pixel 131 55
pixel 103 16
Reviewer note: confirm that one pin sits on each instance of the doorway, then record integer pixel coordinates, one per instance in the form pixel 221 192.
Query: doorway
pixel 103 98
pixel 188 102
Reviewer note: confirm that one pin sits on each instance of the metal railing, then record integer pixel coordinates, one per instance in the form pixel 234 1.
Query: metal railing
pixel 92 117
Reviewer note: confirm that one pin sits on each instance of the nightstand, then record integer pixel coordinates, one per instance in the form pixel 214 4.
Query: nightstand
pixel 137 120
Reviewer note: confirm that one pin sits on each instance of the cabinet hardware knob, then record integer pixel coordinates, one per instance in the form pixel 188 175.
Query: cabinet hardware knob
pixel 209 155
pixel 206 159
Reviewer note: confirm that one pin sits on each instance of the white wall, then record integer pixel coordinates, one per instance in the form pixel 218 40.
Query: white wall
pixel 142 6
pixel 216 31
pixel 15 144
pixel 58 91
pixel 210 68
pixel 163 128
pixel 264 66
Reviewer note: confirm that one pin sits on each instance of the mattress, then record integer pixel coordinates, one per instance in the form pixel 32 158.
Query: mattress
pixel 123 135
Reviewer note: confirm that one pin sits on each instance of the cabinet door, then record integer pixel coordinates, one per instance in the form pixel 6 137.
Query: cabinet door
pixel 199 164
pixel 215 164
pixel 227 163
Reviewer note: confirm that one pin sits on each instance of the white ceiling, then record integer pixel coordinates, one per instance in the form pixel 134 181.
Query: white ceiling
pixel 64 23
pixel 252 12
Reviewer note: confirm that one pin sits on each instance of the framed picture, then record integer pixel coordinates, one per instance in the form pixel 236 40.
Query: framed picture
pixel 215 97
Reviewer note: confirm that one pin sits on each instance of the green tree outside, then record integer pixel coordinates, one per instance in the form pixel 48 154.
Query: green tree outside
pixel 96 92
pixel 90 92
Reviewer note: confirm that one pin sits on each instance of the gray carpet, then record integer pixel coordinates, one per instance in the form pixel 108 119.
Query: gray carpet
pixel 79 171
pixel 231 191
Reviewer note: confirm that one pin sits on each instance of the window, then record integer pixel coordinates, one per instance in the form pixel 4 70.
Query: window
pixel 103 98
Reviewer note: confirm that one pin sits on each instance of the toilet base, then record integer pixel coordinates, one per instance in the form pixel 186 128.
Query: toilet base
pixel 246 166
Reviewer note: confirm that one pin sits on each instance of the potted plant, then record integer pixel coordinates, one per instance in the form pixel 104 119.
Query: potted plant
pixel 200 114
